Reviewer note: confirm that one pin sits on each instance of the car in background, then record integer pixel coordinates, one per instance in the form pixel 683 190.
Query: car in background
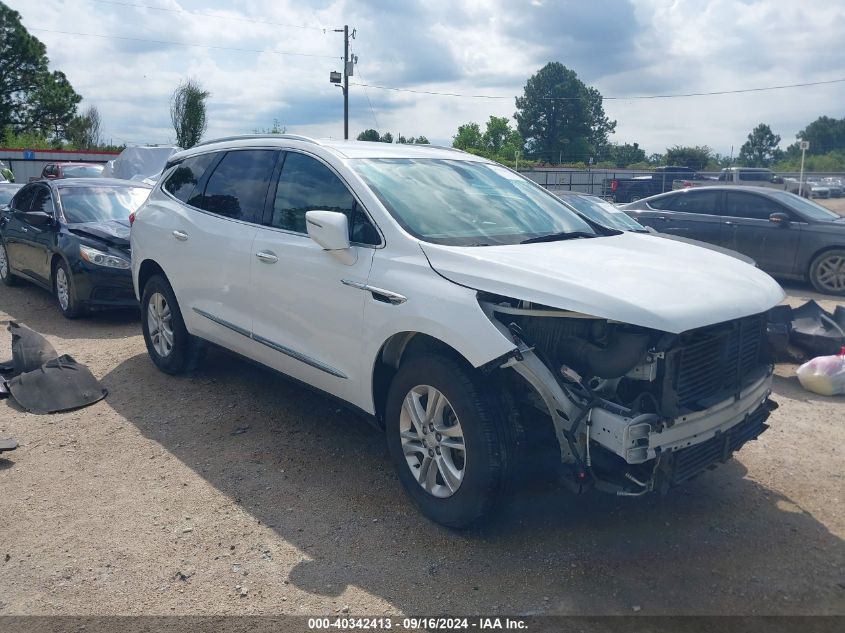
pixel 71 237
pixel 603 212
pixel 788 236
pixel 7 190
pixel 53 171
pixel 835 185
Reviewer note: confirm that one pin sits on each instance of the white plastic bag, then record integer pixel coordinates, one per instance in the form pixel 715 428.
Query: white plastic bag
pixel 824 375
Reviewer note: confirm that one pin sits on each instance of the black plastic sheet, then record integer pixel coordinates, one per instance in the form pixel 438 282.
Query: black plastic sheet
pixel 61 384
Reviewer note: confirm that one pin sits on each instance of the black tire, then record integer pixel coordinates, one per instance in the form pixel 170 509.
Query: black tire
pixel 822 272
pixel 7 277
pixel 70 307
pixel 184 351
pixel 489 437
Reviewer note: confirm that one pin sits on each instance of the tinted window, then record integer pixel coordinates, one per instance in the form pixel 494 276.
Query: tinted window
pixel 22 200
pixel 183 180
pixel 662 203
pixel 755 176
pixel 695 202
pixel 306 184
pixel 740 204
pixel 238 187
pixel 42 201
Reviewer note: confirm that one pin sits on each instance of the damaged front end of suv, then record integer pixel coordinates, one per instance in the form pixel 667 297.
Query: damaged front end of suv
pixel 634 409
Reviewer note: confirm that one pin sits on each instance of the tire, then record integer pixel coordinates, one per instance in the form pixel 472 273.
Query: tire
pixel 64 289
pixel 170 346
pixel 465 484
pixel 6 275
pixel 827 272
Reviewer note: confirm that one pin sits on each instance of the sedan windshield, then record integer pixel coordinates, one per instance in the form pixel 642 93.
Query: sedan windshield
pixel 467 203
pixel 602 212
pixel 807 208
pixel 96 204
pixel 83 171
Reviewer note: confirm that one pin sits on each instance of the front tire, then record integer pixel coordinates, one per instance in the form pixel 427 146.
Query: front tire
pixel 170 346
pixel 827 272
pixel 6 275
pixel 449 440
pixel 64 290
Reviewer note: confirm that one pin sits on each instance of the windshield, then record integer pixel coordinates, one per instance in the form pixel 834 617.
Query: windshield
pixel 82 171
pixel 466 203
pixel 807 208
pixel 602 212
pixel 95 204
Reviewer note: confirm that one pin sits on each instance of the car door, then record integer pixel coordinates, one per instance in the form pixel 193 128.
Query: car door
pixel 37 240
pixel 773 245
pixel 307 318
pixel 15 230
pixel 211 238
pixel 691 213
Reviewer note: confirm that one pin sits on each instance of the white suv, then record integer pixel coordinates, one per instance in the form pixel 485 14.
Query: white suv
pixel 477 318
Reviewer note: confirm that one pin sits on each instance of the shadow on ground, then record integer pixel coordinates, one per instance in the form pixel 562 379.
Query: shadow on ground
pixel 322 480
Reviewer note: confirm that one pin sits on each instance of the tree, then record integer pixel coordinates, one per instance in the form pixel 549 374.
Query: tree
pixel 761 148
pixel 369 135
pixel 387 137
pixel 825 135
pixel 627 154
pixel 468 137
pixel 693 157
pixel 23 65
pixel 83 131
pixel 52 106
pixel 277 128
pixel 496 135
pixel 187 112
pixel 559 114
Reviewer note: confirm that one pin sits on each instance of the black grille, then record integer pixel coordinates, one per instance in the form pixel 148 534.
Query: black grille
pixel 715 360
pixel 688 462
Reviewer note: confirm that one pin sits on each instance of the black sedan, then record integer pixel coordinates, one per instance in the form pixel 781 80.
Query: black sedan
pixel 72 238
pixel 788 236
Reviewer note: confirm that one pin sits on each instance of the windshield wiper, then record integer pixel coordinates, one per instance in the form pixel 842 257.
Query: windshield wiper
pixel 558 237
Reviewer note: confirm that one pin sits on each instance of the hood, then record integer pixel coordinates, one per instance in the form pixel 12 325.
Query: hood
pixel 638 279
pixel 114 232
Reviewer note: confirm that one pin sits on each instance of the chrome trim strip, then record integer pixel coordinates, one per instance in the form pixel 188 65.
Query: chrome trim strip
pixel 275 346
pixel 392 297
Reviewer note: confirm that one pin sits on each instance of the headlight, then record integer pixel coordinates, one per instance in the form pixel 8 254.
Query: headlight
pixel 93 256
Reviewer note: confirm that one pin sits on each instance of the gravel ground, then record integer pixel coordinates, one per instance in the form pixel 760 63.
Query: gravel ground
pixel 234 491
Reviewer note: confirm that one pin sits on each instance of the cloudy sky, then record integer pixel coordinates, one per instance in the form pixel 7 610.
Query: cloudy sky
pixel 472 47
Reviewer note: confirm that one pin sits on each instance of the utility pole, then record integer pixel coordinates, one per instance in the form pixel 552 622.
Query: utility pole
pixel 348 69
pixel 805 145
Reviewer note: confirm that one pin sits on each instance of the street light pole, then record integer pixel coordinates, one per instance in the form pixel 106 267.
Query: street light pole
pixel 805 145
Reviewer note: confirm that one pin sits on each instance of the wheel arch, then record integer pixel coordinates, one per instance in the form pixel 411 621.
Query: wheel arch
pixel 147 269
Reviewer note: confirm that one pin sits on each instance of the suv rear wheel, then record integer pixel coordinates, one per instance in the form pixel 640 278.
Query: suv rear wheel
pixel 170 346
pixel 448 440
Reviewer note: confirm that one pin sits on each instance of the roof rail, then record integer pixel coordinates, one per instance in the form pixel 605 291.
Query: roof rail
pixel 431 145
pixel 243 137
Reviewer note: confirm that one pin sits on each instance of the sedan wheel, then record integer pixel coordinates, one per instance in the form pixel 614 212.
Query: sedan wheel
pixel 827 273
pixel 62 289
pixel 432 441
pixel 160 324
pixel 5 272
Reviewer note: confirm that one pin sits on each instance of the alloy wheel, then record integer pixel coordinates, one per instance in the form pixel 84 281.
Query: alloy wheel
pixel 62 288
pixel 830 273
pixel 160 324
pixel 432 441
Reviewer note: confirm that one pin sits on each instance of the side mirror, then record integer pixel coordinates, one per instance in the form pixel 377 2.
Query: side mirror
pixel 779 218
pixel 38 218
pixel 330 229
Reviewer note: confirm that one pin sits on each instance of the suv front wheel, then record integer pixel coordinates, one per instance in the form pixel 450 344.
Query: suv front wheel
pixel 170 346
pixel 448 440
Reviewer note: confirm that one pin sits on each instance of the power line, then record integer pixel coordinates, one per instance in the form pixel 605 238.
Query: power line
pixel 220 48
pixel 665 96
pixel 372 111
pixel 209 15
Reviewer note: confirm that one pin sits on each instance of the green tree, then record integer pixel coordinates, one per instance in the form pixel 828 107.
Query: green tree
pixel 825 134
pixel 627 154
pixel 496 135
pixel 468 137
pixel 558 114
pixel 761 148
pixel 421 140
pixel 693 157
pixel 52 106
pixel 83 131
pixel 277 128
pixel 23 65
pixel 369 135
pixel 188 113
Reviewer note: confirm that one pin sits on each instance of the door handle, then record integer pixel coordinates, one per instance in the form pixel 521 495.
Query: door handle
pixel 180 235
pixel 729 223
pixel 267 257
pixel 660 217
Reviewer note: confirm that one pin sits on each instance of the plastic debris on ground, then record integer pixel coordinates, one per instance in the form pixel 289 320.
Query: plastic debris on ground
pixel 824 375
pixel 796 334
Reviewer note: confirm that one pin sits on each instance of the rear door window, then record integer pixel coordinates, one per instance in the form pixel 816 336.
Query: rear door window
pixel 237 188
pixel 42 201
pixel 704 202
pixel 741 204
pixel 662 203
pixel 182 182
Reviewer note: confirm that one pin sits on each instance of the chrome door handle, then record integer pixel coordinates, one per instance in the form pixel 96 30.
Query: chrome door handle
pixel 267 257
pixel 729 222
pixel 660 217
pixel 180 235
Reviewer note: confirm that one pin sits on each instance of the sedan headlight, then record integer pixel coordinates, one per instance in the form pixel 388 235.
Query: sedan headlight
pixel 93 256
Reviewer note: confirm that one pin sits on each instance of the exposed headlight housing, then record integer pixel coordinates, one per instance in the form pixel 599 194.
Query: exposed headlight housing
pixel 99 258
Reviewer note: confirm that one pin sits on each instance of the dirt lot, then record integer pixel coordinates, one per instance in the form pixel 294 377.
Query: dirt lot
pixel 178 495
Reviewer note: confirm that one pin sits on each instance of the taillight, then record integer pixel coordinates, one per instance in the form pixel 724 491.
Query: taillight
pixel 131 218
pixel 614 185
